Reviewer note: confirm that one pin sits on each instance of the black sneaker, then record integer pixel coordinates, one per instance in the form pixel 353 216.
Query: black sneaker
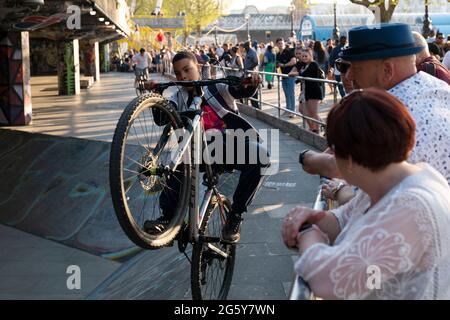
pixel 157 226
pixel 231 230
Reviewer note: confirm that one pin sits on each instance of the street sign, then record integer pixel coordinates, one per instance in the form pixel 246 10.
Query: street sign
pixel 306 28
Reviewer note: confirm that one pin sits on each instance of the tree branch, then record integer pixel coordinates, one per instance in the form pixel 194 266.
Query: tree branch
pixel 365 3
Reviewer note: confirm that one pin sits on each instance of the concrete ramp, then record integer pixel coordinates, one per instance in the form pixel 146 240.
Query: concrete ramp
pixel 58 188
pixel 151 275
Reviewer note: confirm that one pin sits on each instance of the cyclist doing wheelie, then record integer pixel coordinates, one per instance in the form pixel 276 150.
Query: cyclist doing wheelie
pixel 141 63
pixel 219 112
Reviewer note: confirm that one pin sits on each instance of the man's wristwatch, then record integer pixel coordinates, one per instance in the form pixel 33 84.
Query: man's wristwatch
pixel 337 189
pixel 305 226
pixel 302 156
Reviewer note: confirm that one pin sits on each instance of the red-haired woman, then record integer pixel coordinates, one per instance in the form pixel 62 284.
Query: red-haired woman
pixel 391 240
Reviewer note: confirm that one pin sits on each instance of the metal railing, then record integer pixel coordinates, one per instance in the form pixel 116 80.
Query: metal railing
pixel 300 289
pixel 279 105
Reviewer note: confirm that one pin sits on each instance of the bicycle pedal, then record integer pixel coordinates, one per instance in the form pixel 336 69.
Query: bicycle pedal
pixel 182 238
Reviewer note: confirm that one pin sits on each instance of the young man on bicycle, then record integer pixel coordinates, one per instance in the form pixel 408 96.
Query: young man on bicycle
pixel 219 112
pixel 141 63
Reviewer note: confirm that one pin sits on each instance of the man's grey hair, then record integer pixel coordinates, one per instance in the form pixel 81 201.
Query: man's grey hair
pixel 419 40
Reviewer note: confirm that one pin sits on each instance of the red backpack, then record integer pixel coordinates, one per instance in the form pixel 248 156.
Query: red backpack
pixel 211 120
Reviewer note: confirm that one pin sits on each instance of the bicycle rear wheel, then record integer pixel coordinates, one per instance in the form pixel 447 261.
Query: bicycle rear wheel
pixel 213 262
pixel 144 140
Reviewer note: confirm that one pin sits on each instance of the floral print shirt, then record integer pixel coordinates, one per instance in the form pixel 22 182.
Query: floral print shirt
pixel 398 249
pixel 428 100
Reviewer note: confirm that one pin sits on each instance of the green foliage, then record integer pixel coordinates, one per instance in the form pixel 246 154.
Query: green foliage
pixel 385 14
pixel 199 13
pixel 142 7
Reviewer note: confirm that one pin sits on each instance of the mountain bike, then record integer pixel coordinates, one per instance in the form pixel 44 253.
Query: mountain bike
pixel 149 151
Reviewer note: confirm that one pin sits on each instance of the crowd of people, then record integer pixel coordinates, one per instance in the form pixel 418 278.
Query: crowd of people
pixel 308 59
pixel 388 151
pixel 157 59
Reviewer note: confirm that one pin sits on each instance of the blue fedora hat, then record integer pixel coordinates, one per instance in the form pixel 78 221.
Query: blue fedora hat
pixel 379 42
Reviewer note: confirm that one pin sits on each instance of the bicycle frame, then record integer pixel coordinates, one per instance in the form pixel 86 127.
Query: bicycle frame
pixel 196 141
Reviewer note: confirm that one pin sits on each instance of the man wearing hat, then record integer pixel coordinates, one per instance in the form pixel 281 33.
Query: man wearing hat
pixel 384 57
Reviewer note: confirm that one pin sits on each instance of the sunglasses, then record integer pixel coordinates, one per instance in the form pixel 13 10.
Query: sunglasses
pixel 342 66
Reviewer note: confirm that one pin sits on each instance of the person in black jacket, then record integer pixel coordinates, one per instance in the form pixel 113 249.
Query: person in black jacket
pixel 331 62
pixel 312 92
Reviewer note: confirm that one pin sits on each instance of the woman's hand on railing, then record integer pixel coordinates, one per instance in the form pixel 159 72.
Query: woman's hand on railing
pixel 295 219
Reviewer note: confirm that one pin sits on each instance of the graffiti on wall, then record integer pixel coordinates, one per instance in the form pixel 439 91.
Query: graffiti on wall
pixel 15 90
pixel 87 58
pixel 66 68
pixel 104 58
pixel 44 59
pixel 31 23
pixel 16 16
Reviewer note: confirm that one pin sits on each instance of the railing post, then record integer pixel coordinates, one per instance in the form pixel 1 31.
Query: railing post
pixel 279 96
pixel 335 86
pixel 302 98
pixel 260 96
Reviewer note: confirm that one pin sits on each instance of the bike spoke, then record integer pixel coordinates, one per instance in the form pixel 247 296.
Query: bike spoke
pixel 131 182
pixel 143 129
pixel 150 133
pixel 139 164
pixel 132 171
pixel 141 215
pixel 154 207
pixel 139 141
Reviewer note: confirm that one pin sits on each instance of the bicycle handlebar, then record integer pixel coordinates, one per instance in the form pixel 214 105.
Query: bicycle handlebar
pixel 230 80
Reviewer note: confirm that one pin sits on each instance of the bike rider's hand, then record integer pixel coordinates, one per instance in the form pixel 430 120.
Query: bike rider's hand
pixel 295 219
pixel 253 81
pixel 150 85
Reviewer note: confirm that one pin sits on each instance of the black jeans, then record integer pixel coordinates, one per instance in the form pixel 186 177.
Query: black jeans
pixel 249 179
pixel 255 104
pixel 340 86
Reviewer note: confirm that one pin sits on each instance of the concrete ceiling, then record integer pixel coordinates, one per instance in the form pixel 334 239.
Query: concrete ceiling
pixel 50 20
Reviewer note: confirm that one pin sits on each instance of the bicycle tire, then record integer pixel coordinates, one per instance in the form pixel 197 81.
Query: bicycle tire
pixel 198 252
pixel 116 176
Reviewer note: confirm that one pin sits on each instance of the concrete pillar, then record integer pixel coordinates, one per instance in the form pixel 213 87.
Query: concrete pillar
pixel 15 88
pixel 105 60
pixel 68 68
pixel 97 61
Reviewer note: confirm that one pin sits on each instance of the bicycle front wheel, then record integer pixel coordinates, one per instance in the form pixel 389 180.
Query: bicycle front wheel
pixel 213 262
pixel 144 140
